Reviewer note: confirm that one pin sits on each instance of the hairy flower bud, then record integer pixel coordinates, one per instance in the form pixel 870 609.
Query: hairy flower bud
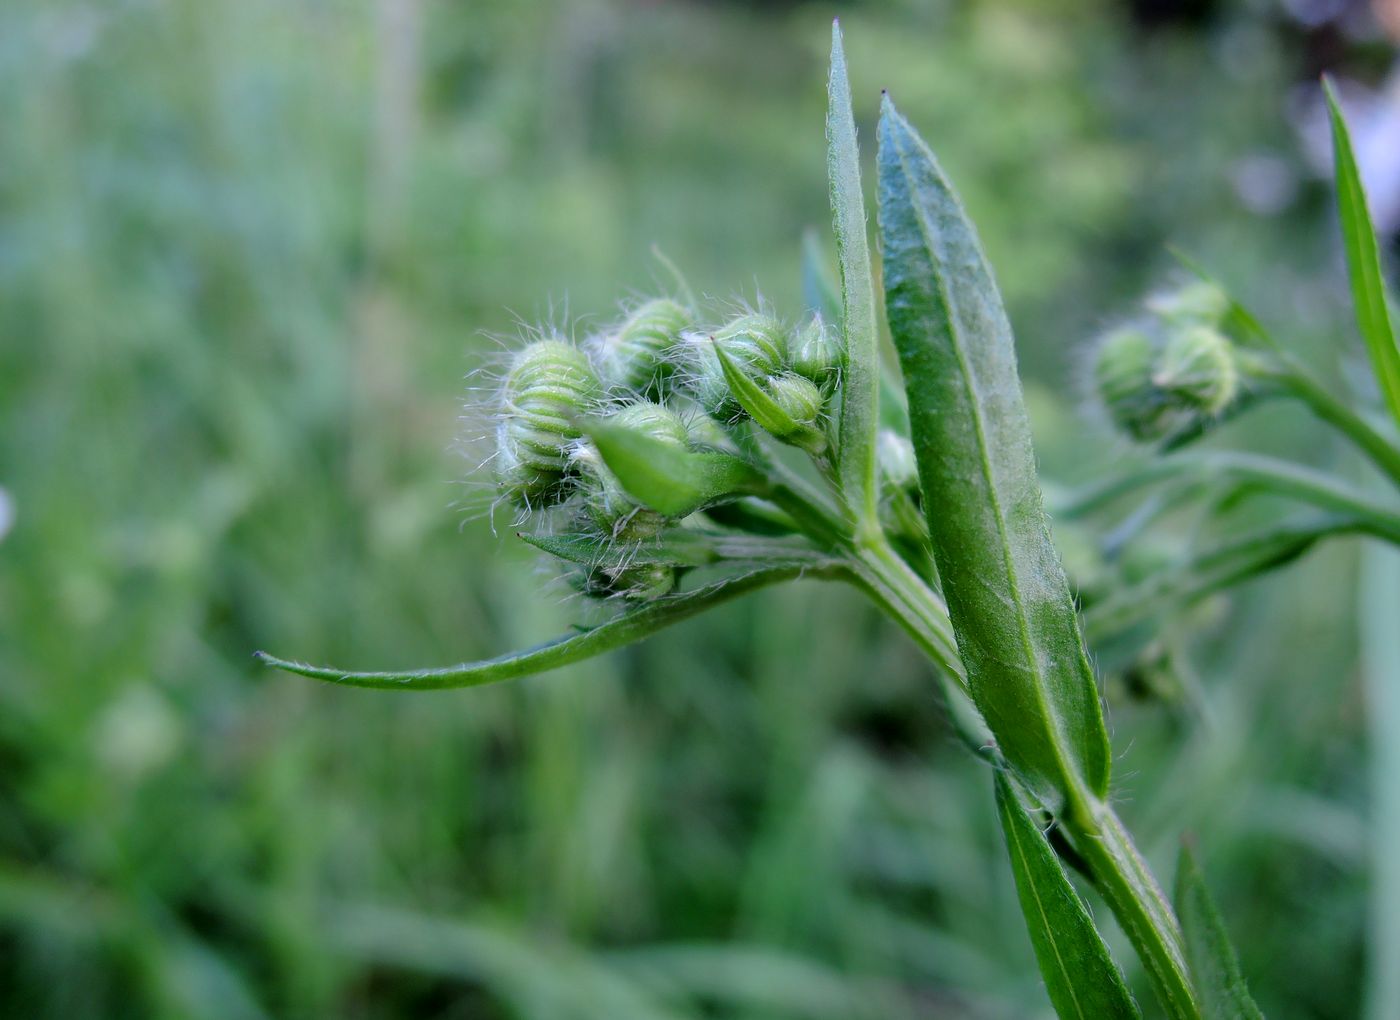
pixel 1123 373
pixel 608 506
pixel 639 582
pixel 638 355
pixel 796 397
pixel 756 343
pixel 816 352
pixel 1197 369
pixel 1199 302
pixel 548 384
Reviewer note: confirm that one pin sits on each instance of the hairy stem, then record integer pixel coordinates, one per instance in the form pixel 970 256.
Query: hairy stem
pixel 1118 870
pixel 1136 899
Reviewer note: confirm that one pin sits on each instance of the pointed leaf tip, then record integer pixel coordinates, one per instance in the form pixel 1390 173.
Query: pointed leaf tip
pixel 1210 956
pixel 1081 977
pixel 1363 258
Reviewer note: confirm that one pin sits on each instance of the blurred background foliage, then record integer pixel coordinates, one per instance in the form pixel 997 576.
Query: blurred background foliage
pixel 250 251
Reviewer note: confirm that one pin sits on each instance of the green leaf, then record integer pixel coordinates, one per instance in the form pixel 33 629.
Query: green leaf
pixel 1364 262
pixel 1007 594
pixel 765 411
pixel 860 366
pixel 667 478
pixel 1080 975
pixel 630 626
pixel 1215 970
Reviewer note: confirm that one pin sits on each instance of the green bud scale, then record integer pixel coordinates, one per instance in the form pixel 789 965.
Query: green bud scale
pixel 816 352
pixel 1197 368
pixel 796 397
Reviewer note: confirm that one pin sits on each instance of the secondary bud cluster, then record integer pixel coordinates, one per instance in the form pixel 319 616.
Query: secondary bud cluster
pixel 1171 370
pixel 657 374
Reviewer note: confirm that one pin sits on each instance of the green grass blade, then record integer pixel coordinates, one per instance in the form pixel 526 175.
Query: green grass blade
pixel 670 479
pixel 630 626
pixel 860 366
pixel 1364 262
pixel 1215 970
pixel 1007 594
pixel 1080 975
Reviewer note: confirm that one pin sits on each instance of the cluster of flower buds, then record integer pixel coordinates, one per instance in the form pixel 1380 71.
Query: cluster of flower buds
pixel 686 391
pixel 1172 370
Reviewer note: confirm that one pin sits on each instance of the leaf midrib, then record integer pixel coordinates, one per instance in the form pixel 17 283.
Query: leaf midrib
pixel 1034 889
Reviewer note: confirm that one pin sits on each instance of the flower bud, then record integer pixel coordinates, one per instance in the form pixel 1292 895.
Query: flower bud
pixel 816 352
pixel 1197 369
pixel 637 356
pixel 1199 302
pixel 1123 370
pixel 608 506
pixel 548 384
pixel 639 582
pixel 796 397
pixel 756 343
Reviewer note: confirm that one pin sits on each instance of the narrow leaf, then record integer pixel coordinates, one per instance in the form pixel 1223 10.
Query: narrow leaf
pixel 860 366
pixel 1080 975
pixel 1007 594
pixel 630 626
pixel 1364 262
pixel 765 411
pixel 669 479
pixel 1215 970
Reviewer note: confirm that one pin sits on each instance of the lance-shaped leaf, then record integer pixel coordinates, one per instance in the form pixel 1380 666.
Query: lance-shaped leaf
pixel 765 410
pixel 1007 594
pixel 1215 970
pixel 630 626
pixel 1080 975
pixel 860 364
pixel 669 479
pixel 1364 262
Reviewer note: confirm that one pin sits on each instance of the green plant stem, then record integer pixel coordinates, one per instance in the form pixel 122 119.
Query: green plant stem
pixel 1293 378
pixel 1136 899
pixel 893 583
pixel 1118 870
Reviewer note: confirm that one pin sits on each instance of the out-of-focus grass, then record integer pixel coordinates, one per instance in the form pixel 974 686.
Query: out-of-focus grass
pixel 248 254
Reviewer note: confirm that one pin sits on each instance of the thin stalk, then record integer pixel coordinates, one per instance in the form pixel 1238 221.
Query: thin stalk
pixel 1293 378
pixel 892 584
pixel 1265 473
pixel 1118 869
pixel 1136 899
